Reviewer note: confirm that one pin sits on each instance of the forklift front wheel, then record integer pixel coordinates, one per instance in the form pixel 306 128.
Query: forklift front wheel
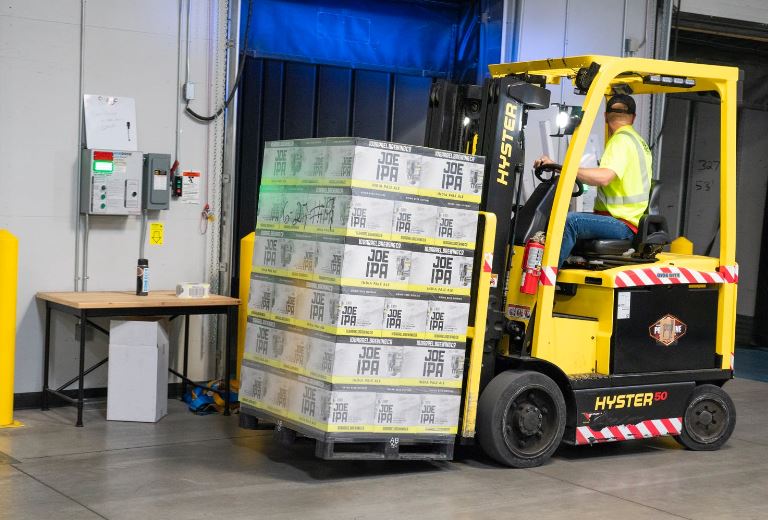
pixel 521 418
pixel 709 420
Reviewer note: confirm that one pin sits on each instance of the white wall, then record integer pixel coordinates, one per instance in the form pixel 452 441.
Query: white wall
pixel 749 10
pixel 130 50
pixel 556 28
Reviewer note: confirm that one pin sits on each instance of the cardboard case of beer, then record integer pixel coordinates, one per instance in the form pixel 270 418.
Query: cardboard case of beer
pixel 452 175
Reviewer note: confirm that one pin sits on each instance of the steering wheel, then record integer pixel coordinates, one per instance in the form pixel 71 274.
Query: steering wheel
pixel 552 168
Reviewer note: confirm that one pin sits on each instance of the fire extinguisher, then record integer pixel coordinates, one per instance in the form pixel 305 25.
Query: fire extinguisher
pixel 534 251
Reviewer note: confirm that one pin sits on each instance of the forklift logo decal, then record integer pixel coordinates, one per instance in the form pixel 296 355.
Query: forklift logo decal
pixel 668 330
pixel 505 152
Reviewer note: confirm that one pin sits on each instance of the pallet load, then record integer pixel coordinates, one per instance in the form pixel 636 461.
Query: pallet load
pixel 359 297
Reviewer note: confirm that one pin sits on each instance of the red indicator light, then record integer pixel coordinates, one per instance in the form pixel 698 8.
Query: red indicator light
pixel 103 156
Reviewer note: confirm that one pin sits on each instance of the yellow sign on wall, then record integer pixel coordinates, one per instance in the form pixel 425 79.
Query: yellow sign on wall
pixel 156 232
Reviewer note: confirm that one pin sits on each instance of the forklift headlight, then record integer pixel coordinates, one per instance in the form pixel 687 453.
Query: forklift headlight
pixel 567 119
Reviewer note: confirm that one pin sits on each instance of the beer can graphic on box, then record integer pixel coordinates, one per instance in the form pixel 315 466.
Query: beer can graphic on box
pixel 452 175
pixel 287 298
pixel 330 258
pixel 351 410
pixel 322 352
pixel 294 351
pixel 434 364
pixel 280 394
pixel 439 412
pixel 341 157
pixel 313 402
pixel 372 215
pixel 414 221
pixel 396 411
pixel 405 316
pixel 456 226
pixel 262 294
pixel 301 159
pixel 319 304
pixel 360 311
pixel 298 255
pixel 442 267
pixel 446 319
pixel 253 386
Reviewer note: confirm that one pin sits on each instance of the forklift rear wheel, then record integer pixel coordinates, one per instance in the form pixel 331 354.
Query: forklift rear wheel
pixel 709 420
pixel 521 418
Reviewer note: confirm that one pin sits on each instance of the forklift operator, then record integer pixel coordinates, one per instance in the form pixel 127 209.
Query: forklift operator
pixel 623 181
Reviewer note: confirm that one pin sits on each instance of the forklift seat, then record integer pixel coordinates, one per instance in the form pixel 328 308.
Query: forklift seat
pixel 652 235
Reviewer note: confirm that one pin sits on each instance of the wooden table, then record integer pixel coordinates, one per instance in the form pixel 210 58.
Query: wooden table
pixel 110 304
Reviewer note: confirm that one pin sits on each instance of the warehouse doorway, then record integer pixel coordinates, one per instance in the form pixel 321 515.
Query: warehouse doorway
pixel 689 162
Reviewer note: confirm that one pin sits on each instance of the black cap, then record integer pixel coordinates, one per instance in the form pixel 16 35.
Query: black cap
pixel 622 99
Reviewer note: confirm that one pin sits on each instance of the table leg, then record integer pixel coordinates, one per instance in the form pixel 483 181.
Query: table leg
pixel 231 340
pixel 46 357
pixel 185 362
pixel 81 381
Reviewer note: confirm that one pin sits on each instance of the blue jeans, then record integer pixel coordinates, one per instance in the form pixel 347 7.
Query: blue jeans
pixel 589 226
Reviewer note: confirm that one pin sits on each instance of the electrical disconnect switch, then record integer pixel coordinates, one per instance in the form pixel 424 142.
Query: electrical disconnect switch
pixel 157 184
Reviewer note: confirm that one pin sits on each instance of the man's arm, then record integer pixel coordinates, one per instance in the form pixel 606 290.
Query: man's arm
pixel 596 176
pixel 591 176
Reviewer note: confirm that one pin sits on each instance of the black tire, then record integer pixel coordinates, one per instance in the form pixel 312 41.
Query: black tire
pixel 709 419
pixel 521 418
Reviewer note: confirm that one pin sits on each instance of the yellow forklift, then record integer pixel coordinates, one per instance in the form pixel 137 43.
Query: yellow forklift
pixel 632 342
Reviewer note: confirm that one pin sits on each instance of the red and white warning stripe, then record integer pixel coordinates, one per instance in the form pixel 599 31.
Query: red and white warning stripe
pixel 625 432
pixel 674 275
pixel 730 273
pixel 548 276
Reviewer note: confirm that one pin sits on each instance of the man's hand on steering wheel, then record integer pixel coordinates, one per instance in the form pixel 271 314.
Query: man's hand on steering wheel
pixel 542 161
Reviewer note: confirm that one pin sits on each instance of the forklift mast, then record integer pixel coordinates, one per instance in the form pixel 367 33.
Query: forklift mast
pixel 489 121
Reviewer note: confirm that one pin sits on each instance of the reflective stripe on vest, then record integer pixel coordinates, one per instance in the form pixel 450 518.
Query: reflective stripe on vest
pixel 644 174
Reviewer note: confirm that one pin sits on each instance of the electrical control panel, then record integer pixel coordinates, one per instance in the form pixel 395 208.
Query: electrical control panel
pixel 111 182
pixel 157 186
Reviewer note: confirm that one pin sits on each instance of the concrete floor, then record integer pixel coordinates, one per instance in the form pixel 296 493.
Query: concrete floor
pixel 206 467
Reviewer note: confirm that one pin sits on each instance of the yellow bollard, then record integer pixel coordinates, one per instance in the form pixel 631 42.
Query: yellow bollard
pixel 9 254
pixel 246 262
pixel 681 246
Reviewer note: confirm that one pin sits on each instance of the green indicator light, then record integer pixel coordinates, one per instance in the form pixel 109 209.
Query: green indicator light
pixel 102 166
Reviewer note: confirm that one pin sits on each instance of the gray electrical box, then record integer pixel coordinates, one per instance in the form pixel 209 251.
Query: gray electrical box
pixel 157 187
pixel 111 182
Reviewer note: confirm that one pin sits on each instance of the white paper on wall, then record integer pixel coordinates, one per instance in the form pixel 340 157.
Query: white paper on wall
pixel 110 122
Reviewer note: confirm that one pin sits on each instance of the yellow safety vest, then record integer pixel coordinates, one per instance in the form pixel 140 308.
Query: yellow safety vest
pixel 626 197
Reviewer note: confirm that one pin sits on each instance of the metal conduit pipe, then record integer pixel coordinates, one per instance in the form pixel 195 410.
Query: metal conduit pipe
pixel 78 216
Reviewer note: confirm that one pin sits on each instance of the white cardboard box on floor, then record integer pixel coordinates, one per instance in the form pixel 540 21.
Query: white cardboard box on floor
pixel 137 386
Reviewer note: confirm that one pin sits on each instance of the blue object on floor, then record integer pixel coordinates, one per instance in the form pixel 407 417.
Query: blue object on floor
pixel 203 402
pixel 751 363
